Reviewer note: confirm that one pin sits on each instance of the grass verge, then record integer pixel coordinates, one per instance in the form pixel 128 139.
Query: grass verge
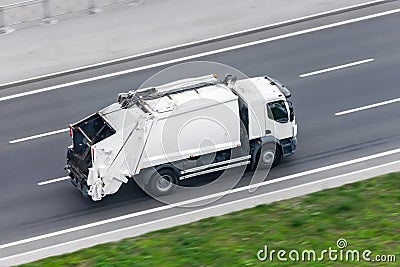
pixel 366 214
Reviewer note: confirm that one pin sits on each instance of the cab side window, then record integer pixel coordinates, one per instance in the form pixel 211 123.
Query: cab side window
pixel 277 111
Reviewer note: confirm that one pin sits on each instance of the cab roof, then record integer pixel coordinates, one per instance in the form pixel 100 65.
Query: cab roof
pixel 258 89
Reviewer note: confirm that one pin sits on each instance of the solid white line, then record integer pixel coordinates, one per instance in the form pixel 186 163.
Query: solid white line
pixel 264 195
pixel 181 59
pixel 368 107
pixel 37 136
pixel 337 67
pixel 186 202
pixel 54 180
pixel 192 43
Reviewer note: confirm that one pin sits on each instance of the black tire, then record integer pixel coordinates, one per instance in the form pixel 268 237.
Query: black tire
pixel 268 156
pixel 163 182
pixel 278 155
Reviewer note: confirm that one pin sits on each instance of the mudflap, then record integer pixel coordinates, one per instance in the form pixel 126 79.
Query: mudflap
pixel 82 186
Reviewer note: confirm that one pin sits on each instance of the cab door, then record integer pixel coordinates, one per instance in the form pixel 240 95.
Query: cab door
pixel 278 120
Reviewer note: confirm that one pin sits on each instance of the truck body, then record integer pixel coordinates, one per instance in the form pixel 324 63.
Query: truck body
pixel 161 135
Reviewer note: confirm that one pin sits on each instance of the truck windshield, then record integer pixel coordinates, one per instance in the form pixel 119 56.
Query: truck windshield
pixel 277 111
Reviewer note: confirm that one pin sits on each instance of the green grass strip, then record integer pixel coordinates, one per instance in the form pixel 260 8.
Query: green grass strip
pixel 366 214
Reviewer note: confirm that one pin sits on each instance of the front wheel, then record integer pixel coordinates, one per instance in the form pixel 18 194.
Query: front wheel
pixel 268 156
pixel 163 182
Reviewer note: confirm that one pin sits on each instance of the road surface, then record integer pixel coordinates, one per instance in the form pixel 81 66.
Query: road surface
pixel 373 45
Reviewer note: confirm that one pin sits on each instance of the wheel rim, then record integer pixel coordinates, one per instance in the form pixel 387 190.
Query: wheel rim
pixel 164 183
pixel 268 157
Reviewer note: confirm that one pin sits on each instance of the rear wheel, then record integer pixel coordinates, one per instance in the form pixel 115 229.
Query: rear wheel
pixel 162 182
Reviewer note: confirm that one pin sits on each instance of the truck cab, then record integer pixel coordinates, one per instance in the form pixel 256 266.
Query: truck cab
pixel 268 115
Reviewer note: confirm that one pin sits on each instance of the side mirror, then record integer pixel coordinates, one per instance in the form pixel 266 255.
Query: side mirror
pixel 291 111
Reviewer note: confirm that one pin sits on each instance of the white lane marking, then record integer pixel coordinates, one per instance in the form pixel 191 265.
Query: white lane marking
pixel 113 232
pixel 337 67
pixel 193 43
pixel 37 136
pixel 54 180
pixel 177 60
pixel 368 107
pixel 194 200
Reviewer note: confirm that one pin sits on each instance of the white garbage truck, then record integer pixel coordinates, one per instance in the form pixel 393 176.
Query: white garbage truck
pixel 187 128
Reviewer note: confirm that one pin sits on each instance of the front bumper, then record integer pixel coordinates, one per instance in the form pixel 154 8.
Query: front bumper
pixel 289 145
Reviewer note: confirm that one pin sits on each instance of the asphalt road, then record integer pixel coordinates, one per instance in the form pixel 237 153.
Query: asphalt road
pixel 29 210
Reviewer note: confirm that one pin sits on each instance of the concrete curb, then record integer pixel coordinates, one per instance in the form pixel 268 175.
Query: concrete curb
pixel 193 44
